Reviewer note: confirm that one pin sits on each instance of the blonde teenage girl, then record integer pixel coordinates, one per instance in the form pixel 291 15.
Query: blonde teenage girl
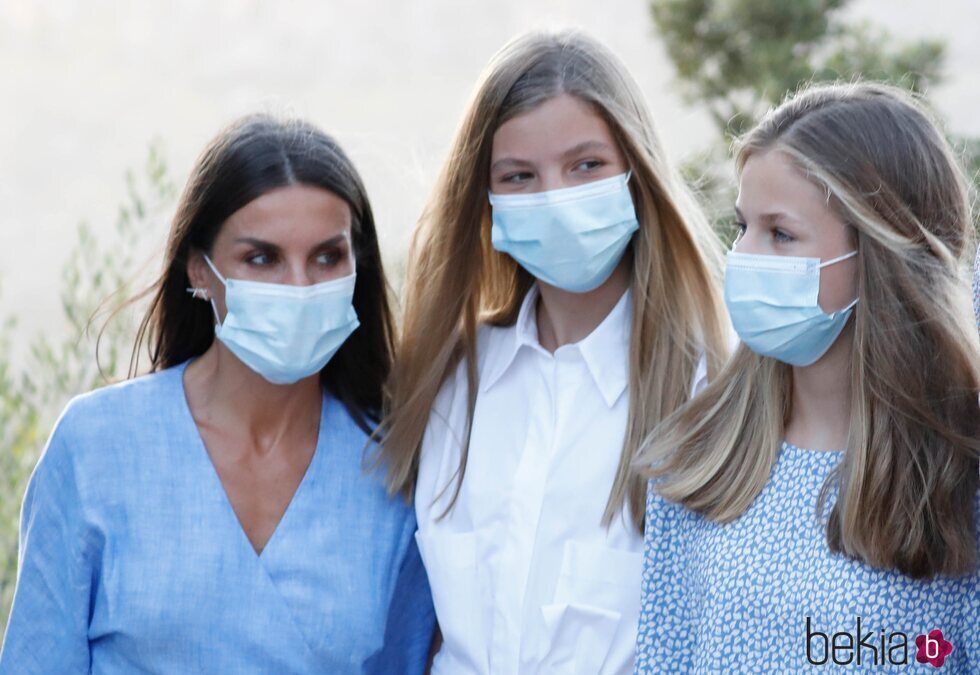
pixel 563 297
pixel 816 505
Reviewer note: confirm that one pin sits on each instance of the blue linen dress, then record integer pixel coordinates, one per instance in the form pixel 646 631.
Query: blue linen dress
pixel 736 598
pixel 132 558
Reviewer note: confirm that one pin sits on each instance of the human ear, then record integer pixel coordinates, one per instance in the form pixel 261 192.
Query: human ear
pixel 199 274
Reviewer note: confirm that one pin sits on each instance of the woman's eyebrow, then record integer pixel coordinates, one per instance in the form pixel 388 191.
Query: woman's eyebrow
pixel 257 243
pixel 332 241
pixel 268 245
pixel 505 162
pixel 586 146
pixel 592 145
pixel 770 218
pixel 776 217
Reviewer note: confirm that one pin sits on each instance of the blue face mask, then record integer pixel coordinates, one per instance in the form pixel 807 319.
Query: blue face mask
pixel 571 238
pixel 285 333
pixel 772 301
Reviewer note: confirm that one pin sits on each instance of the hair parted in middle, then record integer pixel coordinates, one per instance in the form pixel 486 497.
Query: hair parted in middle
pixel 456 280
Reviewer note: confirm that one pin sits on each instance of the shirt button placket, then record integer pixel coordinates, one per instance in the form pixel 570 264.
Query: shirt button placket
pixel 523 516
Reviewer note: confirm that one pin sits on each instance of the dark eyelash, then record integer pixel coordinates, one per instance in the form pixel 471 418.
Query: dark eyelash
pixel 740 229
pixel 250 258
pixel 779 234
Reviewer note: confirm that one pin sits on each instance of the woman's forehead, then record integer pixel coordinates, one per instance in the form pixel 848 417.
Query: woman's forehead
pixel 291 214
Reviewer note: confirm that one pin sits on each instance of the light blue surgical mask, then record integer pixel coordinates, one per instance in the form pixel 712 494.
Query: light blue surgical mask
pixel 285 333
pixel 571 238
pixel 772 301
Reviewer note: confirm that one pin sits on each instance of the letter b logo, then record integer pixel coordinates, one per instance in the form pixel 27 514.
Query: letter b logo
pixel 933 648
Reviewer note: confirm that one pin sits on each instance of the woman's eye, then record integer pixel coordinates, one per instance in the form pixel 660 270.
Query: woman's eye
pixel 781 236
pixel 259 259
pixel 519 177
pixel 330 258
pixel 588 165
pixel 740 228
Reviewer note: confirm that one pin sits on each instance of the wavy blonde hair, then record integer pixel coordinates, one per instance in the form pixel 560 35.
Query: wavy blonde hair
pixel 907 485
pixel 456 280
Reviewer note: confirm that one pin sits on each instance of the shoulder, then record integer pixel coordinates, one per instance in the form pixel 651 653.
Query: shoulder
pixel 114 405
pixel 353 451
pixel 660 510
pixel 89 453
pixel 667 523
pixel 117 411
pixel 445 433
pixel 341 420
pixel 454 388
pixel 351 478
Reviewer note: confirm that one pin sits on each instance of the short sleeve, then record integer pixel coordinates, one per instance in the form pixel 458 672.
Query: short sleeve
pixel 410 623
pixel 47 631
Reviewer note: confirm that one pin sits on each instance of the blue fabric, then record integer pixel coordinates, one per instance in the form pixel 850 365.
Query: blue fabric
pixel 734 598
pixel 572 237
pixel 976 286
pixel 132 558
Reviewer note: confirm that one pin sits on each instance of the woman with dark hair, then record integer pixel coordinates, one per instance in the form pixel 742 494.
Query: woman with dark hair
pixel 214 516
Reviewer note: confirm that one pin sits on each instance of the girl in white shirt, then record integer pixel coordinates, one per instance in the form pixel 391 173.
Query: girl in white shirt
pixel 548 328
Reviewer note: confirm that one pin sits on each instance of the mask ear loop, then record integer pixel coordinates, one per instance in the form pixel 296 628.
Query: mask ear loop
pixel 837 260
pixel 214 307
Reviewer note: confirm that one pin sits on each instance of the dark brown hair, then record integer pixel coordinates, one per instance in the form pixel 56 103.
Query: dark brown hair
pixel 253 156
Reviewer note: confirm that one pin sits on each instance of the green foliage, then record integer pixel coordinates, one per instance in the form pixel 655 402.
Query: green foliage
pixel 95 282
pixel 737 58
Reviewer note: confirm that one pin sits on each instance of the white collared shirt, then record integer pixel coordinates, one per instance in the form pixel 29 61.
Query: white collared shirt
pixel 524 576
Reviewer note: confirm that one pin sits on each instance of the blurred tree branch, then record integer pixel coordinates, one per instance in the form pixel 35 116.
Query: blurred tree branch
pixel 96 280
pixel 737 58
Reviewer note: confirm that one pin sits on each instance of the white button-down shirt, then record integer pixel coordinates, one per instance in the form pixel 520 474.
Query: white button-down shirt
pixel 524 576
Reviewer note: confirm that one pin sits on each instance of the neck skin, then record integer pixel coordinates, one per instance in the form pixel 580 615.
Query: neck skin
pixel 228 397
pixel 821 412
pixel 564 317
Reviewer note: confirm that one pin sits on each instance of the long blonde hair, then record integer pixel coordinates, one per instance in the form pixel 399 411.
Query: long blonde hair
pixel 456 280
pixel 907 485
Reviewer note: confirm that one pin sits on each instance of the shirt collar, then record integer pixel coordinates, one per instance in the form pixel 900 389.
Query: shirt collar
pixel 502 350
pixel 605 350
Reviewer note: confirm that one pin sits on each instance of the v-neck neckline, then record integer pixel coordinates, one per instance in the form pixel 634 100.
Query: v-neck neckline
pixel 228 507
